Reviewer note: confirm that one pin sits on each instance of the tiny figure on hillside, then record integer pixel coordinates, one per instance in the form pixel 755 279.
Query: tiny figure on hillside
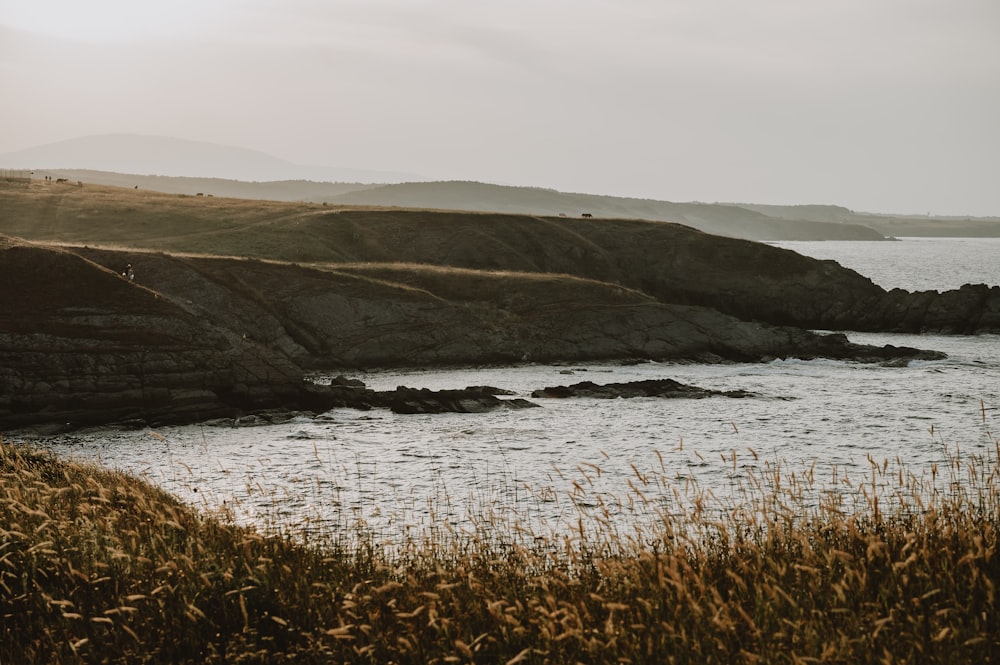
pixel 129 273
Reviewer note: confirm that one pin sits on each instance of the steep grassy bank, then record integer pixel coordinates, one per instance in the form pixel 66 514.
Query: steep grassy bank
pixel 96 566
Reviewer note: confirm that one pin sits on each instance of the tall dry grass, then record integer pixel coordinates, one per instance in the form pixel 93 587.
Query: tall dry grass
pixel 898 566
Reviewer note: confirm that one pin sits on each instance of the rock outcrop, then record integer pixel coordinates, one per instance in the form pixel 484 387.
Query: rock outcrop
pixel 200 338
pixel 670 263
pixel 666 388
pixel 323 397
pixel 80 345
pixel 469 400
pixel 383 316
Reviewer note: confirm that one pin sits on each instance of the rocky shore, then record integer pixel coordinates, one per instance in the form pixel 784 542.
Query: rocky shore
pixel 473 399
pixel 197 337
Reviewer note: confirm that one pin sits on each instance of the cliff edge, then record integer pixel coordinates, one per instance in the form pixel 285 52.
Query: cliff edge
pixel 195 338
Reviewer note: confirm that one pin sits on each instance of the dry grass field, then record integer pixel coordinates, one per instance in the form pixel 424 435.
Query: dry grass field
pixel 138 219
pixel 96 566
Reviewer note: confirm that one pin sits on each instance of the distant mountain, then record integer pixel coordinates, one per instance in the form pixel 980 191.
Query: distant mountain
pixel 159 155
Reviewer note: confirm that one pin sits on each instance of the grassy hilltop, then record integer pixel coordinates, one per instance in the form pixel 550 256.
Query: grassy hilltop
pixel 738 220
pixel 670 262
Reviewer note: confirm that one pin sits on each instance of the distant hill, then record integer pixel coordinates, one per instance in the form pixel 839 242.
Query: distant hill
pixel 720 219
pixel 810 213
pixel 737 220
pixel 160 155
pixel 189 167
pixel 278 190
pixel 896 226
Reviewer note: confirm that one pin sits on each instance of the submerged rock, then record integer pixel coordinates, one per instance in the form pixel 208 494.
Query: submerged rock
pixel 412 400
pixel 646 388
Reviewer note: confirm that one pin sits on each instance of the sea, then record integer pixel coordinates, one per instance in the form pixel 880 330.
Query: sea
pixel 537 470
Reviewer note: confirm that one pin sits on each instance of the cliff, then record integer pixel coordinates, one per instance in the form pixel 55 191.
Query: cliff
pixel 197 337
pixel 234 299
pixel 79 344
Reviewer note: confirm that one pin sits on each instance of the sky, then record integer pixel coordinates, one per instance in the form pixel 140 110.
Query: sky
pixel 877 105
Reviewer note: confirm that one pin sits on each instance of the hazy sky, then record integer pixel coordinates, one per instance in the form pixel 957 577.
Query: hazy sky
pixel 880 105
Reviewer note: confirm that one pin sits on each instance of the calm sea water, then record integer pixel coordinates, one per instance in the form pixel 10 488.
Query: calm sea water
pixel 914 264
pixel 401 472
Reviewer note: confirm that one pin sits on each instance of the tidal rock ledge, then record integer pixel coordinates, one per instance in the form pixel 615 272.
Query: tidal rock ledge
pixel 82 346
pixel 648 388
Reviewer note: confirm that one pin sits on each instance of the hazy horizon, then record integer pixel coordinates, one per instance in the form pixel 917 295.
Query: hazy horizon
pixel 882 107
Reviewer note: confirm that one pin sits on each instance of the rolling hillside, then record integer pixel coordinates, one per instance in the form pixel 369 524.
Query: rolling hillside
pixel 190 167
pixel 672 263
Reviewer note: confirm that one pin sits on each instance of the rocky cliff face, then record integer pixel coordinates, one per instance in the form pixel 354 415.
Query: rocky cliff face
pixel 670 263
pixel 362 316
pixel 81 345
pixel 195 338
pixel 199 338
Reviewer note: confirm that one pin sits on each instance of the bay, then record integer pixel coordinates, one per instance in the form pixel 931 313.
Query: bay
pixel 541 467
pixel 913 264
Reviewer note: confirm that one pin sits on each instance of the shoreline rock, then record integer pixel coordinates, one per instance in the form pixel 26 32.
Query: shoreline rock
pixel 199 338
pixel 666 388
pixel 413 400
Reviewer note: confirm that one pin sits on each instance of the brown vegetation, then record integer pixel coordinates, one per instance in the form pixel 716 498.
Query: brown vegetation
pixel 96 566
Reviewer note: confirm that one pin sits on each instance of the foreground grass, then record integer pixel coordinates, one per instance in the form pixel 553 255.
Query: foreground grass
pixel 97 566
